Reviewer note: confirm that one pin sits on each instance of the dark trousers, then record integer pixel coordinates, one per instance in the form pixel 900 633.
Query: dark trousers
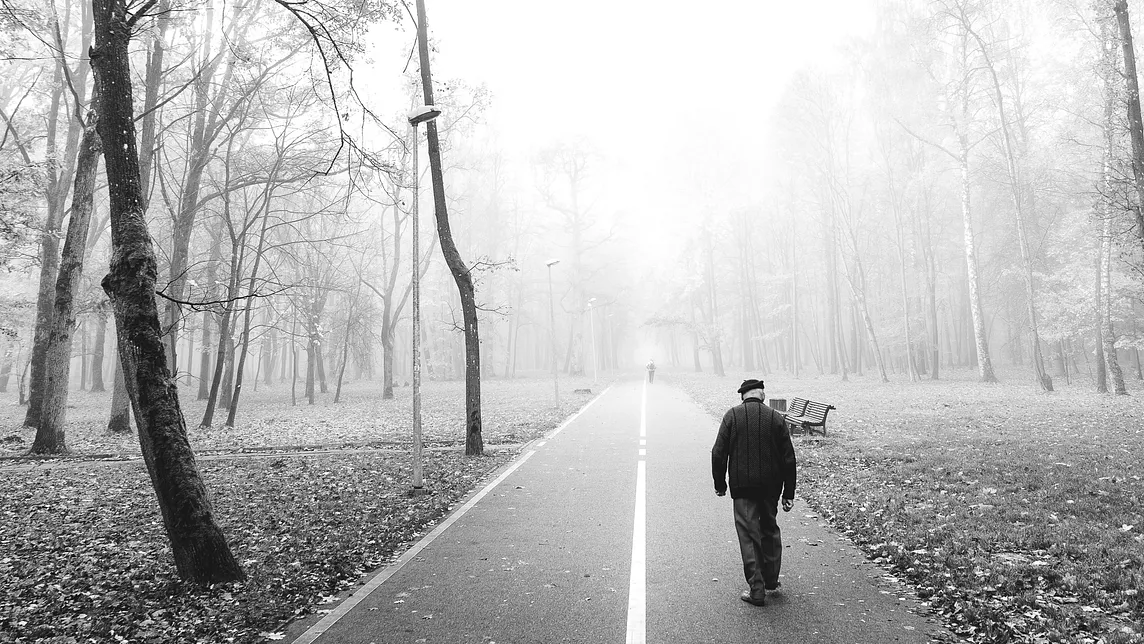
pixel 760 541
pixel 651 375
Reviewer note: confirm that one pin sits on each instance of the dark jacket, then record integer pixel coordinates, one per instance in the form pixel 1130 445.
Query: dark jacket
pixel 754 447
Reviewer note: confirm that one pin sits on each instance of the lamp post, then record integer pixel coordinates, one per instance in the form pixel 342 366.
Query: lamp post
pixel 595 356
pixel 610 344
pixel 552 322
pixel 416 117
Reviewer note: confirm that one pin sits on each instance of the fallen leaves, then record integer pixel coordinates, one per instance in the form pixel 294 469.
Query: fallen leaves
pixel 84 556
pixel 1009 528
pixel 88 559
pixel 513 411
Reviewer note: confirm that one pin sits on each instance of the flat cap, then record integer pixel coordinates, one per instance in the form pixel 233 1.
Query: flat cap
pixel 749 384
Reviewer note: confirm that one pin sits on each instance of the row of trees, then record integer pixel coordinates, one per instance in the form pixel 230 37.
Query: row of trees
pixel 965 183
pixel 251 235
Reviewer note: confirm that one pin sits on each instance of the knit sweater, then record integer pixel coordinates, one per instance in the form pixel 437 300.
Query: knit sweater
pixel 754 447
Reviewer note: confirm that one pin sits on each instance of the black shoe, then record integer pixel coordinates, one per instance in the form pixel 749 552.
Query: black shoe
pixel 756 600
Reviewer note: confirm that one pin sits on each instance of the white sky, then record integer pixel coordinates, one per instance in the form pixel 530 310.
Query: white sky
pixel 675 96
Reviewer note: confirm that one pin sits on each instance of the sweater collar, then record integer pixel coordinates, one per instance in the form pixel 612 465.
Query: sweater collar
pixel 758 400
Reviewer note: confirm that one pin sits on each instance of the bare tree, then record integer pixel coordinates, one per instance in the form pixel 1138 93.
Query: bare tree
pixel 1135 122
pixel 57 352
pixel 197 543
pixel 1019 191
pixel 65 79
pixel 959 115
pixel 474 443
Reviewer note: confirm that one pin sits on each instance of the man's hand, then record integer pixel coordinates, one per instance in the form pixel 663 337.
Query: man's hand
pixel 788 504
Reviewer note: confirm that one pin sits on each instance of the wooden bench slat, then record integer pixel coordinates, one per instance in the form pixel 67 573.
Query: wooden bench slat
pixel 808 414
pixel 797 407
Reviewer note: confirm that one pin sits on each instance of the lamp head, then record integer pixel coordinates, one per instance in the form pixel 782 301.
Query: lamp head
pixel 552 262
pixel 423 113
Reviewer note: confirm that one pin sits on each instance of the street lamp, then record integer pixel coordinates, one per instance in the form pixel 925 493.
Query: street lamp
pixel 417 116
pixel 592 326
pixel 552 321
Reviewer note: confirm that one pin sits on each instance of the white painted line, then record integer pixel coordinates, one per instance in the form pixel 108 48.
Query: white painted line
pixel 643 441
pixel 541 443
pixel 346 606
pixel 331 618
pixel 643 452
pixel 643 411
pixel 573 417
pixel 637 589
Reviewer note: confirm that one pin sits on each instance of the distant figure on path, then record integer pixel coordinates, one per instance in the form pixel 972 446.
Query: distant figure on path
pixel 754 446
pixel 650 371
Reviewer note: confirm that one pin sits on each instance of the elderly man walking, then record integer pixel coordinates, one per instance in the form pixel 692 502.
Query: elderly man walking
pixel 754 447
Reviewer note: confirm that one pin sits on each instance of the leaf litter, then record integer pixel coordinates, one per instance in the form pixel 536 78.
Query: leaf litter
pixel 85 558
pixel 1010 512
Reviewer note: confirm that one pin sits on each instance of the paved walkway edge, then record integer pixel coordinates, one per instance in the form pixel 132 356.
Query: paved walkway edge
pixel 347 605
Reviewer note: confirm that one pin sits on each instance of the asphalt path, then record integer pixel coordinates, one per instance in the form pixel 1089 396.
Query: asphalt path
pixel 547 554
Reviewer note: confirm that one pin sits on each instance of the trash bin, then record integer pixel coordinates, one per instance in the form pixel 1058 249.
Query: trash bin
pixel 778 404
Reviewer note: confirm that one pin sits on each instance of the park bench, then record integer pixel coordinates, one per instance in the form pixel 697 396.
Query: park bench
pixel 808 414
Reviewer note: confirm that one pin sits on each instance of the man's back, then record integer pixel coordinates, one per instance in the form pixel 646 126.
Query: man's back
pixel 754 450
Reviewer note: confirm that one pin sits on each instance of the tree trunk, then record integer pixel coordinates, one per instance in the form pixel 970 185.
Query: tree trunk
pixel 900 239
pixel 6 367
pixel 712 310
pixel 205 130
pixel 1101 373
pixel 474 442
pixel 58 345
pixel 81 327
pixel 59 181
pixel 345 349
pixel 320 367
pixel 49 266
pixel 294 363
pixel 911 366
pixel 1106 335
pixel 931 295
pixel 795 354
pixel 836 345
pixel 97 384
pixel 284 364
pixel 387 337
pixel 856 279
pixel 311 358
pixel 205 358
pixel 209 317
pixel 1017 187
pixel 219 367
pixel 232 404
pixel 984 364
pixel 695 339
pixel 1135 123
pixel 147 136
pixel 119 422
pixel 199 548
pixel 269 353
pixel 226 389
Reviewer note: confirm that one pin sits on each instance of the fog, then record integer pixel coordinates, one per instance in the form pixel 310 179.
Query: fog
pixel 891 189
